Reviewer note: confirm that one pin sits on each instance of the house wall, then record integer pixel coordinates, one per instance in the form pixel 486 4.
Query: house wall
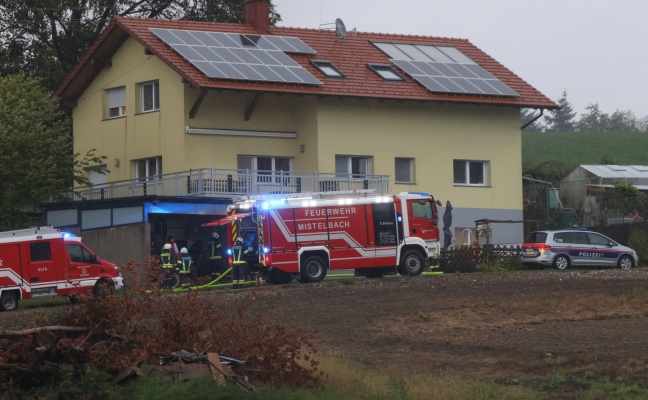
pixel 433 134
pixel 137 135
pixel 273 113
pixel 119 245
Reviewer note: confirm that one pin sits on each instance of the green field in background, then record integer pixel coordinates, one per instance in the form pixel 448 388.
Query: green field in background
pixel 572 148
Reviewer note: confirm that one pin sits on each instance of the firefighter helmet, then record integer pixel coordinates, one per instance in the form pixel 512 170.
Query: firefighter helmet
pixel 215 235
pixel 239 240
pixel 183 250
pixel 167 246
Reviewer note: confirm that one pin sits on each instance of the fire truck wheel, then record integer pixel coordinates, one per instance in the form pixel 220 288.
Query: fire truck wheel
pixel 102 288
pixel 412 263
pixel 313 269
pixel 8 301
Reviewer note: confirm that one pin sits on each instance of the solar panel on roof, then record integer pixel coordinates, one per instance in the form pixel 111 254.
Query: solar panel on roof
pixel 444 69
pixel 259 58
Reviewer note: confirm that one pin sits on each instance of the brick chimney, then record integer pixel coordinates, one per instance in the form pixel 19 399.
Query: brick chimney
pixel 257 15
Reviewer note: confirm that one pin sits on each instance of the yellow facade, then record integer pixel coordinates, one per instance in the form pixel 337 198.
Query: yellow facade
pixel 433 134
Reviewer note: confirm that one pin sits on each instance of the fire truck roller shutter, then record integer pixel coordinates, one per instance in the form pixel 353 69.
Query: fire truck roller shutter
pixel 313 267
pixel 412 262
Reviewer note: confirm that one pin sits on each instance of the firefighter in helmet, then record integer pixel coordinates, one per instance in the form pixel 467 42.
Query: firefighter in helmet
pixel 239 263
pixel 184 265
pixel 166 256
pixel 215 257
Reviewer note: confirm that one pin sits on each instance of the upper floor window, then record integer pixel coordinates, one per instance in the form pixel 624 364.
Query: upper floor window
pixel 404 170
pixel 149 96
pixel 116 100
pixel 327 68
pixel 386 72
pixel 269 169
pixel 358 166
pixel 471 173
pixel 147 168
pixel 98 176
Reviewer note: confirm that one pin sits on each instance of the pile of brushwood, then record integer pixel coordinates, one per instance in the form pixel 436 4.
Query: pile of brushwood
pixel 118 332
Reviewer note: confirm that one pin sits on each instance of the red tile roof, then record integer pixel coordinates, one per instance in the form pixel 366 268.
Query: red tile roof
pixel 350 55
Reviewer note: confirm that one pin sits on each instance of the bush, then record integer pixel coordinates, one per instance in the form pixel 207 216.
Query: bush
pixel 639 242
pixel 116 332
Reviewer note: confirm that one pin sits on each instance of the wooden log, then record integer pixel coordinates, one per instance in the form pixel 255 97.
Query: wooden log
pixel 28 332
pixel 215 367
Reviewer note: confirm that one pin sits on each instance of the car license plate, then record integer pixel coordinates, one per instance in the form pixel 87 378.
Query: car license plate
pixel 529 252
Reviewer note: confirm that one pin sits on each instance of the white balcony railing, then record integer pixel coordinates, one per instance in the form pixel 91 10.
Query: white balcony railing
pixel 211 182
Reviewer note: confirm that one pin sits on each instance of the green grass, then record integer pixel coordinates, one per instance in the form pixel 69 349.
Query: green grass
pixel 50 301
pixel 574 148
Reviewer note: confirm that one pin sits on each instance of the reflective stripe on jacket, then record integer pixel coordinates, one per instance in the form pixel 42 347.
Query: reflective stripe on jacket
pixel 184 265
pixel 238 255
pixel 167 261
pixel 215 250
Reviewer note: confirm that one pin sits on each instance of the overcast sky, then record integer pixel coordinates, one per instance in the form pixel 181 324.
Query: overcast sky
pixel 596 50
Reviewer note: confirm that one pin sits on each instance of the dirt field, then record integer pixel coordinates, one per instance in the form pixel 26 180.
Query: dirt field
pixel 522 325
pixel 502 326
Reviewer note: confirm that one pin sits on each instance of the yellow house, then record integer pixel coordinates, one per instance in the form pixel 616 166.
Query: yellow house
pixel 190 114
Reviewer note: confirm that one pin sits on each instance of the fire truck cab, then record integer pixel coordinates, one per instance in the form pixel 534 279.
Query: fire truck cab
pixel 306 237
pixel 43 261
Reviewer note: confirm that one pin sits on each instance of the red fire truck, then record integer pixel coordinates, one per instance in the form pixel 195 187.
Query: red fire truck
pixel 43 261
pixel 305 237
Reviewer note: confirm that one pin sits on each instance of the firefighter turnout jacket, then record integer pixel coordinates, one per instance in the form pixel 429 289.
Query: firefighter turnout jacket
pixel 184 265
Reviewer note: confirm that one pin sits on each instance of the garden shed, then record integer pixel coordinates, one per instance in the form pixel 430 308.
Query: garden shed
pixel 584 189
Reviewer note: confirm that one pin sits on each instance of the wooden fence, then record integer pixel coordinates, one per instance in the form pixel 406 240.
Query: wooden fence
pixel 472 258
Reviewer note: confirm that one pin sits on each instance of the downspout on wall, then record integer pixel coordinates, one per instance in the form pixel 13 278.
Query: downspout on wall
pixel 534 119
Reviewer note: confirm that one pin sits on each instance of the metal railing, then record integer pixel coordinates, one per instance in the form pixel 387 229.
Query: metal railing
pixel 212 182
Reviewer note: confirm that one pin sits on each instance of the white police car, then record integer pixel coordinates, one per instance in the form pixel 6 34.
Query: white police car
pixel 575 247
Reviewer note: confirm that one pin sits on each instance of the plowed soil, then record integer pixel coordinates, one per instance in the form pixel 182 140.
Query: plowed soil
pixel 502 326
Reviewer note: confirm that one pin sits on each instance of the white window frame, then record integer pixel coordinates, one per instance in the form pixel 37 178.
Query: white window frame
pixel 155 85
pixel 467 178
pixel 271 176
pixel 152 168
pixel 116 102
pixel 410 169
pixel 386 72
pixel 327 68
pixel 98 178
pixel 344 165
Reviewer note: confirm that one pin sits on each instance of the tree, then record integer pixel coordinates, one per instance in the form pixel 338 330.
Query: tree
pixel 594 120
pixel 526 115
pixel 597 121
pixel 48 38
pixel 562 120
pixel 36 163
pixel 623 121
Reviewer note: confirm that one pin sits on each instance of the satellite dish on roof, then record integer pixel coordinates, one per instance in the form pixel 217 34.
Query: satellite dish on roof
pixel 340 29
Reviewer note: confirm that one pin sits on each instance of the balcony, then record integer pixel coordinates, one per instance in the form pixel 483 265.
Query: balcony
pixel 211 182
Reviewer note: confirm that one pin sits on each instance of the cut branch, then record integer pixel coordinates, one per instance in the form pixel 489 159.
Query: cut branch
pixel 27 332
